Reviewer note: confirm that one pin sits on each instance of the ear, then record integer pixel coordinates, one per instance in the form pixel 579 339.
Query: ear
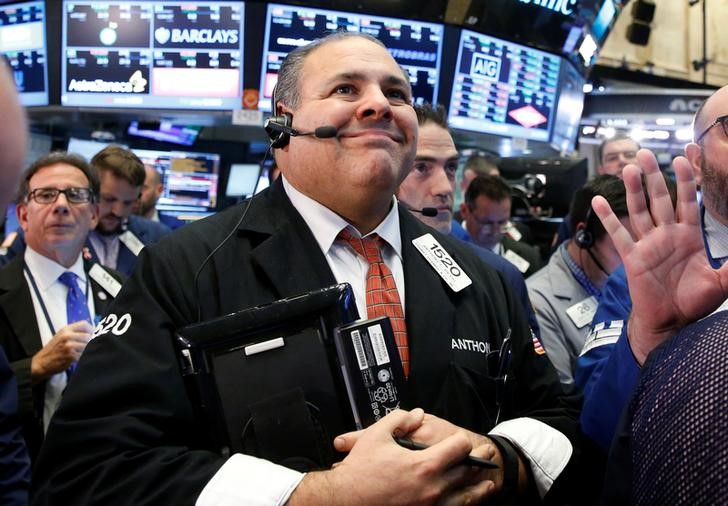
pixel 464 210
pixel 21 211
pixel 694 154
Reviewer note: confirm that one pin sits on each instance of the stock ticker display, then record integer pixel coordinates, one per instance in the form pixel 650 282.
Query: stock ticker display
pixel 416 46
pixel 23 45
pixel 152 54
pixel 503 88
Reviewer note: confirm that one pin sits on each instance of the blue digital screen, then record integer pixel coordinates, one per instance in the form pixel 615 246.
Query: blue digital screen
pixel 416 46
pixel 152 54
pixel 23 45
pixel 503 88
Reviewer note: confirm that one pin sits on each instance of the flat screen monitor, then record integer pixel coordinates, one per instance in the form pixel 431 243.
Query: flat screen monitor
pixel 242 180
pixel 164 131
pixel 603 21
pixel 415 45
pixel 190 179
pixel 503 88
pixel 570 105
pixel 23 44
pixel 152 54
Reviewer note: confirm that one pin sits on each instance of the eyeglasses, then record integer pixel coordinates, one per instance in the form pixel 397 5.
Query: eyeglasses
pixel 50 195
pixel 720 120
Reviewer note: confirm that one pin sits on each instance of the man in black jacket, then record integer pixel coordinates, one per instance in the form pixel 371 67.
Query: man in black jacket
pixel 141 442
pixel 56 209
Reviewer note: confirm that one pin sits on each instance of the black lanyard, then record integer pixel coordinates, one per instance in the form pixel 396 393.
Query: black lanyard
pixel 42 304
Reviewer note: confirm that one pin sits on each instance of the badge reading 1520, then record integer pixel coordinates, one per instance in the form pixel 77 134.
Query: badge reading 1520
pixel 440 260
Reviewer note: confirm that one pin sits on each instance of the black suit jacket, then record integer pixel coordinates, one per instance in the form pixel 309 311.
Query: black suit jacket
pixel 142 442
pixel 20 338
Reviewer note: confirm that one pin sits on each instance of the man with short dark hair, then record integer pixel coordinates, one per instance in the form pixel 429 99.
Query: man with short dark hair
pixel 56 209
pixel 121 235
pixel 566 291
pixel 143 444
pixel 431 184
pixel 487 214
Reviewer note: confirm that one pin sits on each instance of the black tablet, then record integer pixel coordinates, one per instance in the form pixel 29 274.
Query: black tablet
pixel 266 381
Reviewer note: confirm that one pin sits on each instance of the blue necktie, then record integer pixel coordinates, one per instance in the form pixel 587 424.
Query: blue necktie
pixel 76 306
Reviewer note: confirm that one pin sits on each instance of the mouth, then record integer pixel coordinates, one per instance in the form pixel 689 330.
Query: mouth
pixel 376 133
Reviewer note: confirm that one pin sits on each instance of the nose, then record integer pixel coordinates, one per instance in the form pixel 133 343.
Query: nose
pixel 441 185
pixel 117 209
pixel 374 105
pixel 61 204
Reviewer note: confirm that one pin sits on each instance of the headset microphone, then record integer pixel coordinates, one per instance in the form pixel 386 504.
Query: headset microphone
pixel 430 212
pixel 279 128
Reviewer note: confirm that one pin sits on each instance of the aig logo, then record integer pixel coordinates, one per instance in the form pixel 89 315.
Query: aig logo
pixel 485 66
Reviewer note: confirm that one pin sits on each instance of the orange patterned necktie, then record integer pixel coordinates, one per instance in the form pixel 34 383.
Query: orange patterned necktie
pixel 381 291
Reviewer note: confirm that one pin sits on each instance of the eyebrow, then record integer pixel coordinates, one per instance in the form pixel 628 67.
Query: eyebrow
pixel 425 158
pixel 360 76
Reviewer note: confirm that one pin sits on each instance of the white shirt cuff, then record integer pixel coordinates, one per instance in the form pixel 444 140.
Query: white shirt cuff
pixel 251 481
pixel 546 449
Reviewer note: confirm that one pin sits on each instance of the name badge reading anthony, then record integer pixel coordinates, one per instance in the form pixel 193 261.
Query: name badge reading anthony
pixel 442 262
pixel 132 242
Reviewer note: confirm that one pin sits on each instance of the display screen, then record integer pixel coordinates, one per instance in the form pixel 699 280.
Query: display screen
pixel 416 46
pixel 86 148
pixel 503 88
pixel 152 54
pixel 568 109
pixel 190 179
pixel 242 180
pixel 165 131
pixel 603 22
pixel 23 44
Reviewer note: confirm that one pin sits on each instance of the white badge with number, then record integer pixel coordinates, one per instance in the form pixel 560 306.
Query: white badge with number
pixel 104 279
pixel 442 262
pixel 521 263
pixel 132 242
pixel 582 313
pixel 514 232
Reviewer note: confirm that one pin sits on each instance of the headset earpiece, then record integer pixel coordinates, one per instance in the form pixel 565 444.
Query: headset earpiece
pixel 278 137
pixel 583 237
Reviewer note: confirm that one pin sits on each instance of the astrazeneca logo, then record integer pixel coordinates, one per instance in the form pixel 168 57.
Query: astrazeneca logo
pixel 136 84
pixel 485 66
pixel 195 36
pixel 564 7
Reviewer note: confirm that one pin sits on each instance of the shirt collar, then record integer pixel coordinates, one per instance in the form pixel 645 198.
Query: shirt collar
pixel 326 224
pixel 716 235
pixel 578 273
pixel 46 271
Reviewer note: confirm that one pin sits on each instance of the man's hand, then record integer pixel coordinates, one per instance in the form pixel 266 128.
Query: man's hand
pixel 671 282
pixel 379 471
pixel 64 349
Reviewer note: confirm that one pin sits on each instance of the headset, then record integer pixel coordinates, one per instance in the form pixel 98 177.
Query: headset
pixel 278 127
pixel 584 237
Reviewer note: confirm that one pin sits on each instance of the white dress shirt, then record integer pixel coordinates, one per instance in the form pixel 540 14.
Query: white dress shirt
pixel 45 273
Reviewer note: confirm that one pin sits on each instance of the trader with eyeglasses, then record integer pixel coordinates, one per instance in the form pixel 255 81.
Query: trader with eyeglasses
pixel 50 294
pixel 487 214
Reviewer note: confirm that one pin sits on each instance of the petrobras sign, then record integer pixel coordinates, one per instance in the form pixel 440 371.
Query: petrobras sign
pixel 565 7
